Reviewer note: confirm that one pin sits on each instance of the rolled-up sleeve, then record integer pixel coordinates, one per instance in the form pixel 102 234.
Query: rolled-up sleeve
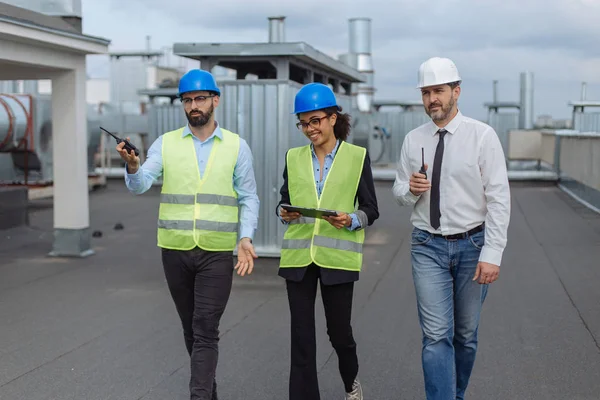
pixel 148 172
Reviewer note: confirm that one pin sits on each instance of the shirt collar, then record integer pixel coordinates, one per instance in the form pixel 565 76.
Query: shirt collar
pixel 452 125
pixel 332 154
pixel 217 132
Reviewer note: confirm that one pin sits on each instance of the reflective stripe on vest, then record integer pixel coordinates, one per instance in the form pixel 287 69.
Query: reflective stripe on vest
pixel 307 240
pixel 198 211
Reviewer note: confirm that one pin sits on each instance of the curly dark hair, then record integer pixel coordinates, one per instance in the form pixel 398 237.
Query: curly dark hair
pixel 341 129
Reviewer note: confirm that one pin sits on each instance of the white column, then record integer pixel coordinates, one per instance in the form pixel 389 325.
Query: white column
pixel 69 137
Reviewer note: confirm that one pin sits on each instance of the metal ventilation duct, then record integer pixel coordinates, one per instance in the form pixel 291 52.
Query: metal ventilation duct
pixel 361 59
pixel 526 111
pixel 276 29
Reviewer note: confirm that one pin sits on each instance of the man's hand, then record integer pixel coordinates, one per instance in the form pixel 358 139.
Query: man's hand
pixel 133 161
pixel 340 221
pixel 486 272
pixel 246 256
pixel 419 183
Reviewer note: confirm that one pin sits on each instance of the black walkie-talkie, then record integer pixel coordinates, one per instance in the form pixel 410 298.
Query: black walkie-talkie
pixel 128 145
pixel 422 170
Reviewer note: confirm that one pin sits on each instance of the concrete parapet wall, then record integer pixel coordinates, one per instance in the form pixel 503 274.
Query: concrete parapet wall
pixel 525 145
pixel 580 158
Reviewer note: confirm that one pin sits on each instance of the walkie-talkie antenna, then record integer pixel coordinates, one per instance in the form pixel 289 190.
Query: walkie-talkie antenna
pixel 128 146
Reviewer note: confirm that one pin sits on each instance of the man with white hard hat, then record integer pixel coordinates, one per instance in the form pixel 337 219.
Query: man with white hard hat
pixel 453 171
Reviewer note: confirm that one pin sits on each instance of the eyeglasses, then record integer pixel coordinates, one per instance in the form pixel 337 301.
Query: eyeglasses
pixel 313 122
pixel 200 100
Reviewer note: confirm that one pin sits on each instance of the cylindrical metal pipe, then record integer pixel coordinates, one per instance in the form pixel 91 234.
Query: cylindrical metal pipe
pixel 276 29
pixel 495 92
pixel 360 35
pixel 361 59
pixel 526 111
pixel 583 91
pixel 13 122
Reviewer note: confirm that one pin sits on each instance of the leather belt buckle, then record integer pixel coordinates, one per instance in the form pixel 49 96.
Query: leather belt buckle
pixel 457 236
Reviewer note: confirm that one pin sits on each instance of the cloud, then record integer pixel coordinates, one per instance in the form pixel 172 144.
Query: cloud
pixel 488 40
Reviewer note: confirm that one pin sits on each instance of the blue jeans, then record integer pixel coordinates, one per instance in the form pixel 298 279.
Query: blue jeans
pixel 449 305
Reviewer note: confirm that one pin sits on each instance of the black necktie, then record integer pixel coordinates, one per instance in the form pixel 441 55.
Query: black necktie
pixel 434 203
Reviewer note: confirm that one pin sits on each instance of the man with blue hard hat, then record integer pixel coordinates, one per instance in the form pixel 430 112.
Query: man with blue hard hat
pixel 207 178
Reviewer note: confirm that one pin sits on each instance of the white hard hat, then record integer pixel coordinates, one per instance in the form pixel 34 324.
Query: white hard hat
pixel 437 71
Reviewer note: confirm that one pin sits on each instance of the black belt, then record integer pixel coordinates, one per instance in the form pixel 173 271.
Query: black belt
pixel 463 235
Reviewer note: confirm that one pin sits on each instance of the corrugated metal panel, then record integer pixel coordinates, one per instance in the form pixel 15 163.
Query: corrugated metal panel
pixel 127 76
pixel 124 124
pixel 260 112
pixel 164 118
pixel 397 124
pixel 502 124
pixel 587 122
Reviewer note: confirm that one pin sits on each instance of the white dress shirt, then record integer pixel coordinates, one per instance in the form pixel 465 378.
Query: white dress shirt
pixel 473 181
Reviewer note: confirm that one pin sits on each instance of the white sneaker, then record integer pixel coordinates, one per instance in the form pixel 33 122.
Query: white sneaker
pixel 356 393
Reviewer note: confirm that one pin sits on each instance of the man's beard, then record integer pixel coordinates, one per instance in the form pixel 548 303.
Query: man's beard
pixel 442 113
pixel 199 118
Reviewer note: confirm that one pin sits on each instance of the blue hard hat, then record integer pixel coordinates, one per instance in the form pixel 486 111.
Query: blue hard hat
pixel 314 96
pixel 196 80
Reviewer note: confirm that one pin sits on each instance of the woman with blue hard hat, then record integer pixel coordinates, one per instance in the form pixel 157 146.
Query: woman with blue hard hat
pixel 327 173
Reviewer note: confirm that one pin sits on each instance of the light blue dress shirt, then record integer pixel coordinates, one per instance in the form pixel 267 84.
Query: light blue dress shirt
pixel 244 182
pixel 320 183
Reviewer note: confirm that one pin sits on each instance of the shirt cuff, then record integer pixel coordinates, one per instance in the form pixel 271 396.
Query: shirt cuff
pixel 490 255
pixel 278 214
pixel 246 232
pixel 136 175
pixel 412 196
pixel 355 223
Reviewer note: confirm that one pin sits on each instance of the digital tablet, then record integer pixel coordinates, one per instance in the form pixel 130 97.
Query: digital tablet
pixel 310 212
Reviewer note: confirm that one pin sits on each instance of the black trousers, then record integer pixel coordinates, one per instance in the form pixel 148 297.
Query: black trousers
pixel 200 284
pixel 337 302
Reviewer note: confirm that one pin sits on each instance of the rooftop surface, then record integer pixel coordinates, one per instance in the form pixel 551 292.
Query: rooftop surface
pixel 105 328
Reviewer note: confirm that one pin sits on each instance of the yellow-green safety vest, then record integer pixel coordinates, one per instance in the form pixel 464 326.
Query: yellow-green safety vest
pixel 307 240
pixel 198 211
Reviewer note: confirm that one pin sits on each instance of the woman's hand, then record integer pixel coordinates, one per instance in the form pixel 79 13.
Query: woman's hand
pixel 342 220
pixel 288 216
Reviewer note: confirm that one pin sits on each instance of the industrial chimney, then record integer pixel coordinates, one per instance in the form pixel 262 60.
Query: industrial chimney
pixel 526 111
pixel 276 29
pixel 361 59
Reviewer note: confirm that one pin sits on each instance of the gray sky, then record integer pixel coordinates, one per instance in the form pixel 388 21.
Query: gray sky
pixel 493 39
